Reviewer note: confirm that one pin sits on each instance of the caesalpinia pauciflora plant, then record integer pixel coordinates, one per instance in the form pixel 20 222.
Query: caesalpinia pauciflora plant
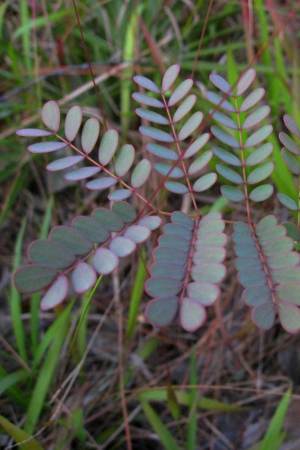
pixel 187 265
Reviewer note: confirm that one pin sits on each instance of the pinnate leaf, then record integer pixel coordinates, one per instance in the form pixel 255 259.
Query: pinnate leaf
pixel 268 270
pixel 67 248
pixel 170 284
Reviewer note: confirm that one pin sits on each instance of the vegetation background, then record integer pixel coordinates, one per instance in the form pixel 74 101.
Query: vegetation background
pixel 94 374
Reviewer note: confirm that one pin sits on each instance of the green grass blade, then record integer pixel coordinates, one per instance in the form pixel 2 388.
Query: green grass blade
pixel 45 378
pixel 274 435
pixel 16 187
pixel 172 403
pixel 11 379
pixel 281 69
pixel 15 299
pixel 80 333
pixel 50 334
pixel 26 41
pixel 128 56
pixel 40 22
pixel 19 435
pixel 2 16
pixel 136 295
pixel 160 429
pixel 266 56
pixel 146 349
pixel 281 175
pixel 193 400
pixel 183 398
pixel 12 391
pixel 35 298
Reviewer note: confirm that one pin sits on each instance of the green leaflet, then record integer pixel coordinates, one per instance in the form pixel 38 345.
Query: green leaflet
pixel 171 136
pixel 113 162
pixel 239 151
pixel 21 437
pixel 54 260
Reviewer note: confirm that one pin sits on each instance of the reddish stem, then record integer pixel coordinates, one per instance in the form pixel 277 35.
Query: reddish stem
pixel 108 172
pixel 180 152
pixel 250 221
